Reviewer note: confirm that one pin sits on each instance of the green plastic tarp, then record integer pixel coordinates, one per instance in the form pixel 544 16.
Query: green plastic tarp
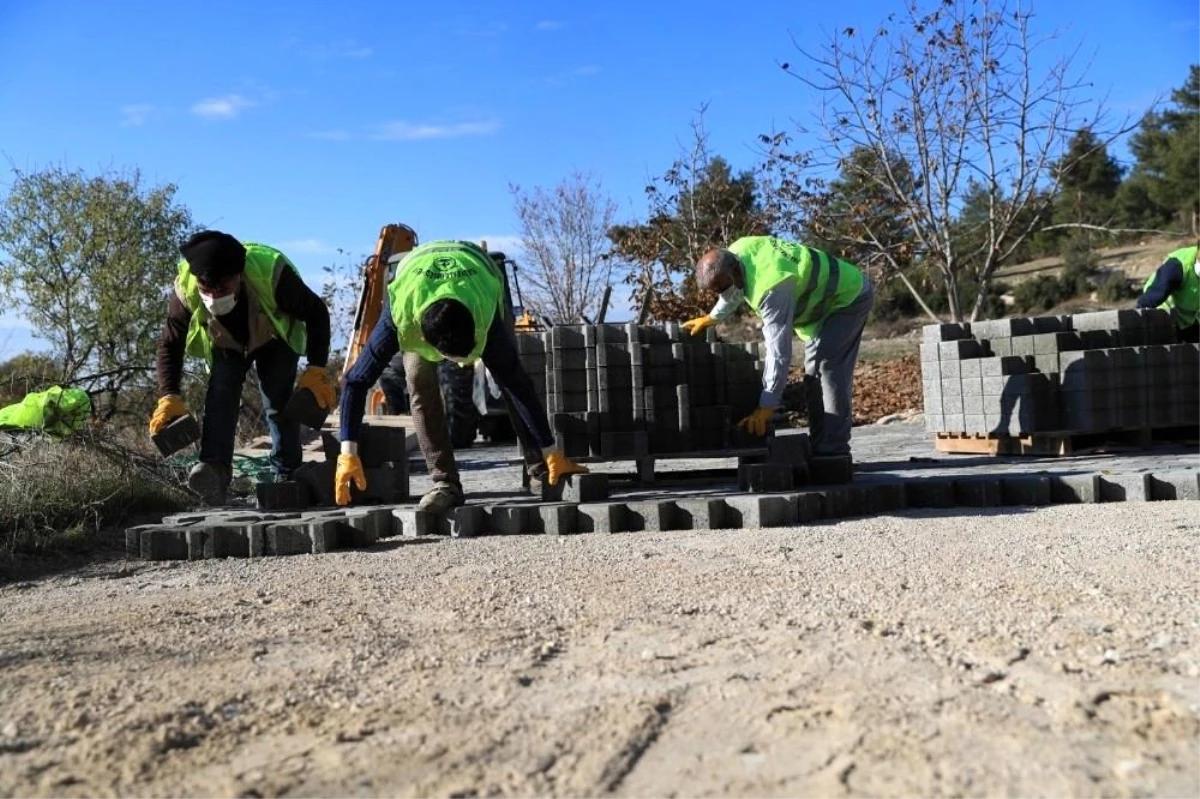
pixel 57 411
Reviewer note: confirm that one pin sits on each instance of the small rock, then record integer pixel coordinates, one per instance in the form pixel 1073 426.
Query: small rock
pixel 647 654
pixel 1109 658
pixel 10 730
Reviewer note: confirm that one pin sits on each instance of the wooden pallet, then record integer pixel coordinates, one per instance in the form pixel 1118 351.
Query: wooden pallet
pixel 1058 444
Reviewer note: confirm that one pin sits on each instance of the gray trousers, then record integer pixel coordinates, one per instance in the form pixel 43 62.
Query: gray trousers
pixel 829 360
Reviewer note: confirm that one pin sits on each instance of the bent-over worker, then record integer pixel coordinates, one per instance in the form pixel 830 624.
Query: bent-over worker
pixel 825 300
pixel 1175 287
pixel 444 303
pixel 234 305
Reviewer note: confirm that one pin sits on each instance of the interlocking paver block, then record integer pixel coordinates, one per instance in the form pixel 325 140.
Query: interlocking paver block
pixel 603 517
pixel 768 510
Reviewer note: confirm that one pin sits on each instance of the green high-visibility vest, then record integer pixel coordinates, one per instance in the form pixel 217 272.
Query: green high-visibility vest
pixel 57 411
pixel 824 284
pixel 264 265
pixel 1184 302
pixel 439 270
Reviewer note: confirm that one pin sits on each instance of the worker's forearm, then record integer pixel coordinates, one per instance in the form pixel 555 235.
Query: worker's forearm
pixel 171 344
pixel 501 359
pixel 371 362
pixel 776 310
pixel 1168 278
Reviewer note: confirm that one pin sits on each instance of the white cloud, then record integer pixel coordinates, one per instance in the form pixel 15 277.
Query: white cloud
pixel 135 114
pixel 400 130
pixel 228 106
pixel 307 247
pixel 548 25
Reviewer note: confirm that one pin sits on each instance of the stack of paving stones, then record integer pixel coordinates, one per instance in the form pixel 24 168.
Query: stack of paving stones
pixel 384 454
pixel 635 391
pixel 1063 375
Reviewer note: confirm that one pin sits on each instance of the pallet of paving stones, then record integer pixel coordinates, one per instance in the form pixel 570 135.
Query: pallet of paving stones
pixel 628 391
pixel 1064 444
pixel 1056 384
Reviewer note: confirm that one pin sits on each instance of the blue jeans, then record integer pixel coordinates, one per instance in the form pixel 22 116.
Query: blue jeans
pixel 276 366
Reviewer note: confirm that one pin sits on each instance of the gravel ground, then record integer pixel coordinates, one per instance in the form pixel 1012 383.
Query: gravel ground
pixel 1047 652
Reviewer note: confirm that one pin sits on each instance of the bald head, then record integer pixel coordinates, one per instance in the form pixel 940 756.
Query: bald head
pixel 717 270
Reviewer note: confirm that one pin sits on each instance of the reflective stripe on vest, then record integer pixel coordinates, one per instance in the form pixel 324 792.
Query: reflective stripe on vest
pixel 825 269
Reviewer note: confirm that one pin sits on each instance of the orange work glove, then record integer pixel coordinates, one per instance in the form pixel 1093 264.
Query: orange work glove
pixel 756 422
pixel 559 465
pixel 317 380
pixel 696 326
pixel 349 468
pixel 169 409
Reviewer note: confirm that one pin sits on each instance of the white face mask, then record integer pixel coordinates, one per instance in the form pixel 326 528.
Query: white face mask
pixel 219 306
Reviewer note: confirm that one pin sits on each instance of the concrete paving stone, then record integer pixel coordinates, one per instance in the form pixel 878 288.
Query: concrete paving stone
pixel 1125 487
pixel 164 543
pixel 1051 324
pixel 839 502
pixel 1095 320
pixel 977 492
pixel 359 529
pixel 945 332
pixel 381 444
pixel 971 368
pixel 1175 485
pixel 831 469
pixel 565 337
pixel 765 478
pixel 592 487
pixel 178 434
pixel 1000 347
pixel 287 495
pixel 387 485
pixel 1055 343
pixel 653 516
pixel 809 506
pixel 512 519
pixel 603 517
pixel 1023 347
pixel 884 496
pixel 704 513
pixel 1073 489
pixel 326 534
pixel 1025 489
pixel 318 478
pixel 766 510
pixel 950 370
pixel 413 523
pixel 570 360
pixel 468 521
pixel 288 538
pixel 559 518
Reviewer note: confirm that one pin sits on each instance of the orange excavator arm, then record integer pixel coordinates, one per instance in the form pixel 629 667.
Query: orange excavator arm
pixel 393 239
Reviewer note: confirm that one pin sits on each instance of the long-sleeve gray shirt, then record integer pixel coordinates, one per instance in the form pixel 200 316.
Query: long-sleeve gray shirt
pixel 777 311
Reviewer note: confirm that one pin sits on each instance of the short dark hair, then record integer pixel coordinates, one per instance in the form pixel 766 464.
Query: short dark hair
pixel 448 327
pixel 213 256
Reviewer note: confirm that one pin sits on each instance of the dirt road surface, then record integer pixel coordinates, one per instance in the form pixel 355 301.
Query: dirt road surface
pixel 1049 652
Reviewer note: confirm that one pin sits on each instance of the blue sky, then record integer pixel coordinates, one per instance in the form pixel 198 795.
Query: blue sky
pixel 309 125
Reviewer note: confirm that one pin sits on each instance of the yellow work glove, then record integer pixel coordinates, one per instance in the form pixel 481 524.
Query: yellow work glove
pixel 169 409
pixel 349 468
pixel 559 465
pixel 756 422
pixel 696 326
pixel 317 380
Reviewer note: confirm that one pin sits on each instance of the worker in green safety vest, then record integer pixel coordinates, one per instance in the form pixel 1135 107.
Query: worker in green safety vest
pixel 1175 287
pixel 444 303
pixel 792 287
pixel 235 305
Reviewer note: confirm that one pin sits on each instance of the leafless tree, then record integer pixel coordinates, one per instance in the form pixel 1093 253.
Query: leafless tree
pixel 960 95
pixel 565 246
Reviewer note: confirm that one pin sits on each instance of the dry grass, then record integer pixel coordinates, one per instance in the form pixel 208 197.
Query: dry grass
pixel 57 496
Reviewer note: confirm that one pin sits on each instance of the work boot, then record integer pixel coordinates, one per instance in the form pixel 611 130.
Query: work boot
pixel 209 481
pixel 441 499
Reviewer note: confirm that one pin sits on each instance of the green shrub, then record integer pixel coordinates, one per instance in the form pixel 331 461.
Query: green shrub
pixel 1116 288
pixel 1038 294
pixel 1075 280
pixel 61 495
